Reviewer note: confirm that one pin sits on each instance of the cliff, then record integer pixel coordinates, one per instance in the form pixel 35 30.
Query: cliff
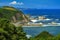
pixel 12 14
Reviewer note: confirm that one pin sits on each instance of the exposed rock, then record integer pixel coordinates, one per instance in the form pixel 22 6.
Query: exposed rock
pixel 13 14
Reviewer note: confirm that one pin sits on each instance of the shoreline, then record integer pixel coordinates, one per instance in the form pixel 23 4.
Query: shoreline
pixel 43 26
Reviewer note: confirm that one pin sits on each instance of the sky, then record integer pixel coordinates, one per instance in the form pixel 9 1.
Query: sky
pixel 40 4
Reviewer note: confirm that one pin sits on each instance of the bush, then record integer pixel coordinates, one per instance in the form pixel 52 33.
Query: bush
pixel 10 32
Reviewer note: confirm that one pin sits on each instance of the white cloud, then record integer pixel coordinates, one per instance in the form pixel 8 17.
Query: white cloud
pixel 21 3
pixel 16 3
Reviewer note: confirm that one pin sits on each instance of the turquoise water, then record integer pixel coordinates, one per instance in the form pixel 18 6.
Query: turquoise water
pixel 33 31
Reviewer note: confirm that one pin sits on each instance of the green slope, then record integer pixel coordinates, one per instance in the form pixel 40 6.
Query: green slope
pixel 10 12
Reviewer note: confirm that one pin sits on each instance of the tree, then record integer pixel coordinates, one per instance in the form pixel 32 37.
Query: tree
pixel 9 32
pixel 43 36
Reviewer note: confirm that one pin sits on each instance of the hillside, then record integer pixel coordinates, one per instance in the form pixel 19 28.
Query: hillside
pixel 12 14
pixel 44 36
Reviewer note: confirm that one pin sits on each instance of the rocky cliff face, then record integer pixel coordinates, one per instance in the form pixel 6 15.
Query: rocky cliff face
pixel 13 14
pixel 19 17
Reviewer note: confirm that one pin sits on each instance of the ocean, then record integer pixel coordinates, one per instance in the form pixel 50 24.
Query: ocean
pixel 49 13
pixel 34 31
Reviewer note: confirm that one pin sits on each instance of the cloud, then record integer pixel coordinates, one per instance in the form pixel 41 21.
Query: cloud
pixel 16 3
pixel 21 3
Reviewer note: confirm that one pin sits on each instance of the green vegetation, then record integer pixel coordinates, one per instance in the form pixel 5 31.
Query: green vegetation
pixel 10 32
pixel 8 13
pixel 45 36
pixel 7 30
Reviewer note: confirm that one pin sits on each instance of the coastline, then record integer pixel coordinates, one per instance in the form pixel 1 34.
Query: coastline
pixel 30 26
pixel 43 26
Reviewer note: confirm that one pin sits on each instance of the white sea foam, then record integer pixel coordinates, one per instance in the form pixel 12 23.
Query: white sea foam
pixel 28 36
pixel 34 20
pixel 48 19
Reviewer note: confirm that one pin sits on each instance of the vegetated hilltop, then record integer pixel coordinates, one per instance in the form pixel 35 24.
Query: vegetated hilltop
pixel 12 14
pixel 43 36
pixel 46 36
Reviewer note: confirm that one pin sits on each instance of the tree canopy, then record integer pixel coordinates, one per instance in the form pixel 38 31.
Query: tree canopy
pixel 9 32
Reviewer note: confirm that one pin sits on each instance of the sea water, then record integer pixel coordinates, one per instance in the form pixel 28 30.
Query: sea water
pixel 34 31
pixel 49 13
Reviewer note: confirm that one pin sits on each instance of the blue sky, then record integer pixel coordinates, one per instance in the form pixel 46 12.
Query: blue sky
pixel 40 4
